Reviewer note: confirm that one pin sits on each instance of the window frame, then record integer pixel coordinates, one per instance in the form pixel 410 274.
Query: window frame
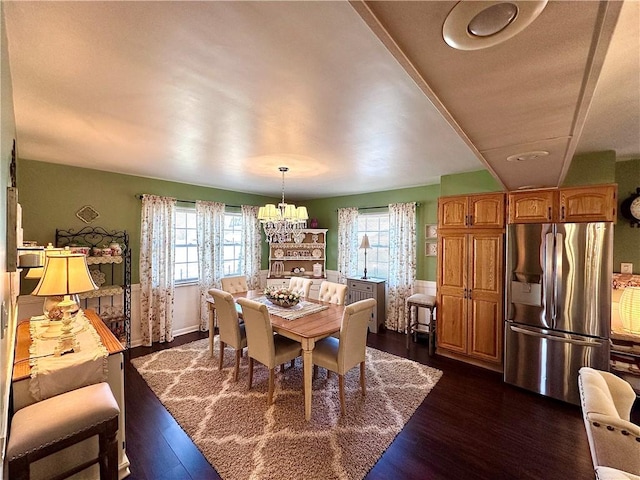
pixel 379 241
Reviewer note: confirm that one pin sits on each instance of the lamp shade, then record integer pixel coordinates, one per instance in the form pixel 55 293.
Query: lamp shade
pixel 64 275
pixel 302 213
pixel 630 309
pixel 365 242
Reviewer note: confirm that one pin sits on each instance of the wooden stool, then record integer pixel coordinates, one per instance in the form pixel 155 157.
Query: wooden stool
pixel 56 423
pixel 420 300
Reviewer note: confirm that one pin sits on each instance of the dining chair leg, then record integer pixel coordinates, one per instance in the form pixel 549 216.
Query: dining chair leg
pixel 282 367
pixel 315 372
pixel 272 375
pixel 235 373
pixel 250 372
pixel 341 390
pixel 293 363
pixel 363 380
pixel 221 355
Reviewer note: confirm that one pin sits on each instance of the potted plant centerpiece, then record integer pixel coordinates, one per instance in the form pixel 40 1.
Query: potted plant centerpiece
pixel 283 297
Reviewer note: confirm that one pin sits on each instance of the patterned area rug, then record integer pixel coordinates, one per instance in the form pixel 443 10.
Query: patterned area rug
pixel 242 438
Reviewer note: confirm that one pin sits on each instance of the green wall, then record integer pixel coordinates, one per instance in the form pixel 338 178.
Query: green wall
pixel 51 194
pixel 480 181
pixel 326 211
pixel 626 243
pixel 591 169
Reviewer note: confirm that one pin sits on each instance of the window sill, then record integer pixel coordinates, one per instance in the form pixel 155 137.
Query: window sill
pixel 187 284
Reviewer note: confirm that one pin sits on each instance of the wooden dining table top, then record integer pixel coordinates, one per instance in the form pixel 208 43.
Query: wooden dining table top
pixel 315 325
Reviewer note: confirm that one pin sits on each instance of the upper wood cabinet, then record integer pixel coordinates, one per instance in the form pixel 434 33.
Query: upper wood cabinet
pixel 594 203
pixel 471 211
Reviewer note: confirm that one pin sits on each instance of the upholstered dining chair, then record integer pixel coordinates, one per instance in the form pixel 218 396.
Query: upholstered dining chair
pixel 332 292
pixel 300 285
pixel 262 345
pixel 234 284
pixel 341 355
pixel 230 331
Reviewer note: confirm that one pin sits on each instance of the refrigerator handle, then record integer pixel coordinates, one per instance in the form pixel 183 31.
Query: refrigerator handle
pixel 573 339
pixel 549 288
pixel 557 294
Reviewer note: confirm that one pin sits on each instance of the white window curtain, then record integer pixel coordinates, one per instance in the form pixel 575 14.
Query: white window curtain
pixel 210 229
pixel 157 284
pixel 347 243
pixel 402 263
pixel 251 251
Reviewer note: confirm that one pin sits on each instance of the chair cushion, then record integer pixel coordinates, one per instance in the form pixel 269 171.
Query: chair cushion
pixel 46 422
pixel 607 473
pixel 325 353
pixel 286 349
pixel 422 299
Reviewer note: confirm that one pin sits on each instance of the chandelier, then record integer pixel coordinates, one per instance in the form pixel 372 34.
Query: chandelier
pixel 284 222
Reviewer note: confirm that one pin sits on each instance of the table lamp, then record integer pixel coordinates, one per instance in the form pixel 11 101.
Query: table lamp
pixel 630 309
pixel 64 275
pixel 365 245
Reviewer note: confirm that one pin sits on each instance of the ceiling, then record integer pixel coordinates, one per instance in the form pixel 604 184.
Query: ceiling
pixel 353 97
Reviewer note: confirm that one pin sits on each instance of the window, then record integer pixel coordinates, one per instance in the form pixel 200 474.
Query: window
pixel 376 226
pixel 186 251
pixel 232 244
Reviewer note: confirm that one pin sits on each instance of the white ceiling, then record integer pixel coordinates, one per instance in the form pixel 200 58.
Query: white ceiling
pixel 352 97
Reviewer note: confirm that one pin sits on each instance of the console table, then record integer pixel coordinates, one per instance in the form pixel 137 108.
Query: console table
pixel 115 379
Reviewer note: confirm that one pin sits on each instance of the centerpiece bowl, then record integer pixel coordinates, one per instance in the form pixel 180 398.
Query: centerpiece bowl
pixel 282 297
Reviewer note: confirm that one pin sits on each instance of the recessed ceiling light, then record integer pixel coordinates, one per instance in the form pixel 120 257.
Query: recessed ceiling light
pixel 473 25
pixel 526 156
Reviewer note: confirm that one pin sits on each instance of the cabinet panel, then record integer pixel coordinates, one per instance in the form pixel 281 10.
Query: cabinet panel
pixel 539 206
pixel 451 327
pixel 452 212
pixel 485 333
pixel 486 263
pixel 486 211
pixel 451 261
pixel 588 204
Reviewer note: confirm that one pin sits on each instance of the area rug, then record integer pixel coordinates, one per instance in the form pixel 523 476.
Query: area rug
pixel 243 439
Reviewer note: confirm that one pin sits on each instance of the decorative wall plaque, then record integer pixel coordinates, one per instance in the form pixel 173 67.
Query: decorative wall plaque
pixel 87 214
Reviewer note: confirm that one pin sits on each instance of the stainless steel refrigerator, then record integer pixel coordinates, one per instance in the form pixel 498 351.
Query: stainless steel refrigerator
pixel 558 305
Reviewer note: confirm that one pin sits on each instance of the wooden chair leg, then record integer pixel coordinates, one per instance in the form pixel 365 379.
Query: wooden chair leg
pixel 315 372
pixel 282 367
pixel 341 390
pixel 235 373
pixel 250 372
pixel 293 363
pixel 272 375
pixel 363 380
pixel 221 355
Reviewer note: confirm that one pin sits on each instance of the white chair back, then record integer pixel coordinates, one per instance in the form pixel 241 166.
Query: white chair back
pixel 353 334
pixel 259 332
pixel 234 284
pixel 332 292
pixel 228 323
pixel 300 285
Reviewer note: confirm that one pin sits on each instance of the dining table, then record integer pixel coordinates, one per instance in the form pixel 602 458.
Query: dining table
pixel 307 330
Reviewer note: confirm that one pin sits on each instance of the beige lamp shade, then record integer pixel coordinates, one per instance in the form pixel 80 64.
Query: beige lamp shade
pixel 630 309
pixel 302 213
pixel 365 242
pixel 64 275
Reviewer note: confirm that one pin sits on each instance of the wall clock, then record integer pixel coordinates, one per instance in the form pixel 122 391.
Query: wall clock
pixel 630 208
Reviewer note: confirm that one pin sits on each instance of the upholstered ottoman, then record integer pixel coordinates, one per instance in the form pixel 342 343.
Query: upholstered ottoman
pixel 56 423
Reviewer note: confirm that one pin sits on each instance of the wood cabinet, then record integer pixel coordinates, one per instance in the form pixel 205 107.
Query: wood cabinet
pixel 470 294
pixel 471 278
pixel 593 203
pixel 471 211
pixel 361 289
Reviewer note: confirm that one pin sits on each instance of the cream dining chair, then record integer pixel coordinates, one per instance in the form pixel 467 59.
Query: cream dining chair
pixel 262 345
pixel 332 292
pixel 234 284
pixel 341 355
pixel 230 331
pixel 300 285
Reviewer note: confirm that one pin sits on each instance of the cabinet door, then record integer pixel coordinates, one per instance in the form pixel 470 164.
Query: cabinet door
pixel 486 211
pixel 485 296
pixel 539 206
pixel 452 212
pixel 452 315
pixel 594 203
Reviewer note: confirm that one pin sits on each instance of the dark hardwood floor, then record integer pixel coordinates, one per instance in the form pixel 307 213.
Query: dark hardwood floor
pixel 471 426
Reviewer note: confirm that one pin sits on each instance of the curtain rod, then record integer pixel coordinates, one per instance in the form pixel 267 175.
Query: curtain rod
pixel 192 201
pixel 383 206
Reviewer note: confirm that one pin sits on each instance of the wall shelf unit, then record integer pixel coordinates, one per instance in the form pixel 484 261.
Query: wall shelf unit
pixel 112 274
